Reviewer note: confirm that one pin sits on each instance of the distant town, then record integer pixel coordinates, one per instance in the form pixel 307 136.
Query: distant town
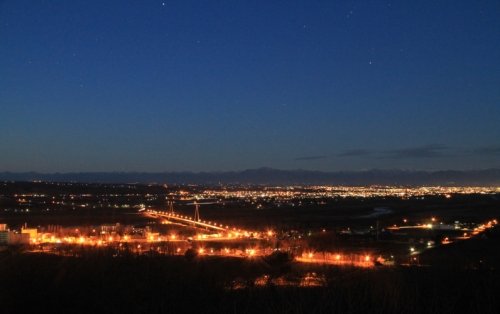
pixel 318 224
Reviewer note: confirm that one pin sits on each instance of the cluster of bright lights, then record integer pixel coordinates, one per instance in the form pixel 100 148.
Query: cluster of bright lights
pixel 251 252
pixel 361 260
pixel 317 192
pixel 481 228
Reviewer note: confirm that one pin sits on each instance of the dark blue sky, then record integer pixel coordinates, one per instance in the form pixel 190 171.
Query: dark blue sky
pixel 227 85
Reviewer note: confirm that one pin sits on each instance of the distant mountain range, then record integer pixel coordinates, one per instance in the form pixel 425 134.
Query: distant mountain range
pixel 488 177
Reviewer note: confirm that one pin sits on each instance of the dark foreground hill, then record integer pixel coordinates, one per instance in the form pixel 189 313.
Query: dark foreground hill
pixel 147 284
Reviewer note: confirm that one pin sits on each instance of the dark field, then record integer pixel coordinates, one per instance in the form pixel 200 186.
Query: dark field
pixel 350 212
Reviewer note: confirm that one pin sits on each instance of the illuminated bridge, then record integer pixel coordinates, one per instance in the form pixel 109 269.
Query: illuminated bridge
pixel 186 220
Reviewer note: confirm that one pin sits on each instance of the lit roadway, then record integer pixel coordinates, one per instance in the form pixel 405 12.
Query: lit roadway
pixel 187 220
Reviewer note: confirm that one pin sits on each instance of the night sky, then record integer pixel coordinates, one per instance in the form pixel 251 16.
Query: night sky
pixel 229 85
